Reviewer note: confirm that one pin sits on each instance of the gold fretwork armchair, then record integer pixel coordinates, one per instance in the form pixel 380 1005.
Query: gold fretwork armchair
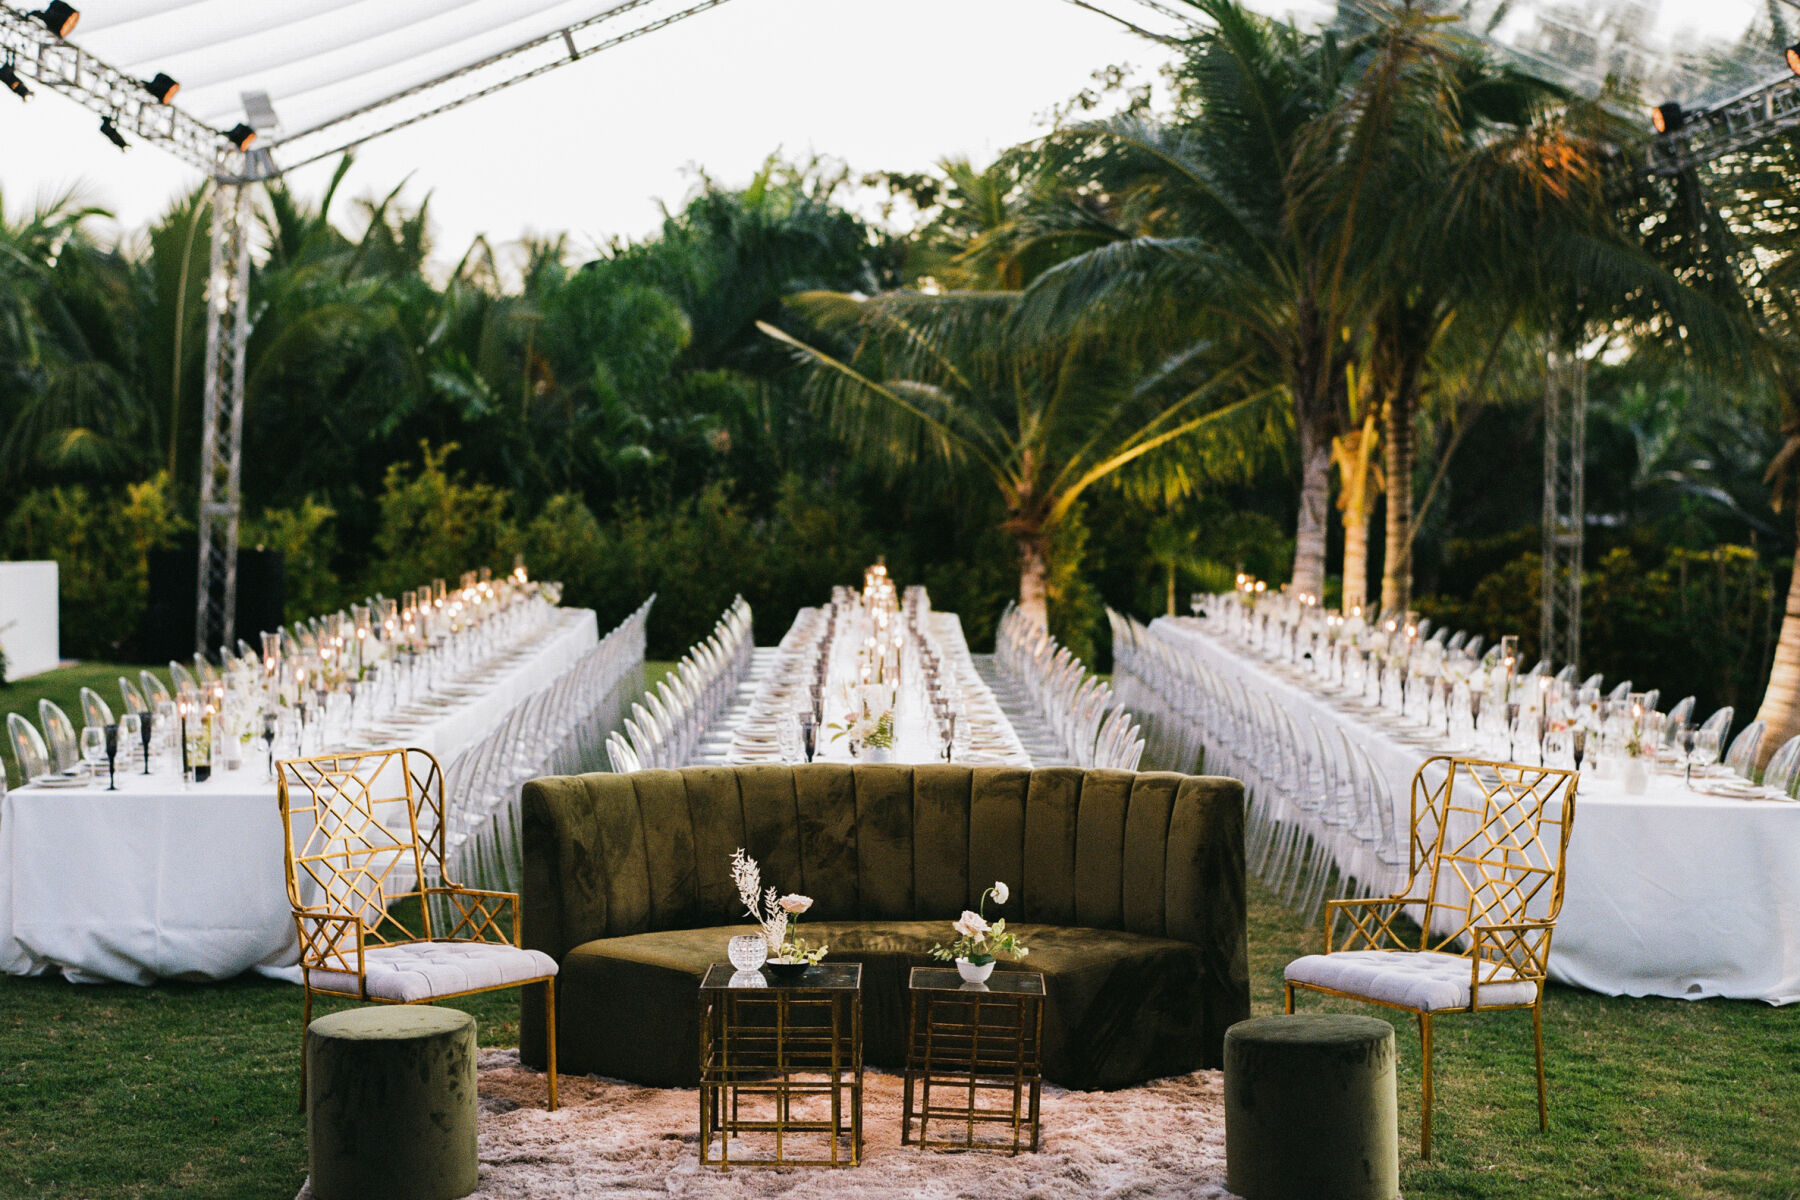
pixel 1489 842
pixel 366 833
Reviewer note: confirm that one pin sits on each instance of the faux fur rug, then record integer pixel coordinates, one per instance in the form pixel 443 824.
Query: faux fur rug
pixel 618 1140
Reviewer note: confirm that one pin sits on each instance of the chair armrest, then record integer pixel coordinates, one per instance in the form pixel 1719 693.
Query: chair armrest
pixel 330 941
pixel 1371 922
pixel 1521 946
pixel 478 913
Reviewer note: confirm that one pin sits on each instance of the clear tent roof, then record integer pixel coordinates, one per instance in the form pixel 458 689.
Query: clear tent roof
pixel 1693 51
pixel 321 61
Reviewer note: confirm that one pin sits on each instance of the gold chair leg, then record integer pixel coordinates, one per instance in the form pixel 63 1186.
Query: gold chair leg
pixel 305 1021
pixel 1290 997
pixel 1537 1036
pixel 1425 1104
pixel 550 1035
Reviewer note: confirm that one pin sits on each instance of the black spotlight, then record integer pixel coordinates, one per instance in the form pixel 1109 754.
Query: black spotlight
pixel 10 77
pixel 1667 117
pixel 112 132
pixel 59 18
pixel 162 87
pixel 241 136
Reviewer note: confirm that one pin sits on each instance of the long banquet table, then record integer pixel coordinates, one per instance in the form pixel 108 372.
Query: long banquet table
pixel 158 882
pixel 1670 893
pixel 916 739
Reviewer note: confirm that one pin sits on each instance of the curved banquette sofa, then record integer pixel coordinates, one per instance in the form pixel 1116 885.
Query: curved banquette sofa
pixel 1127 888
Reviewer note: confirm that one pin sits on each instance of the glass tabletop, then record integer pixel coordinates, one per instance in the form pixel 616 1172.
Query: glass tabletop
pixel 822 977
pixel 1003 983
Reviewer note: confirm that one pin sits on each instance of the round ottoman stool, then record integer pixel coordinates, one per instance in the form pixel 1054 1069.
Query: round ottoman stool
pixel 1310 1109
pixel 390 1107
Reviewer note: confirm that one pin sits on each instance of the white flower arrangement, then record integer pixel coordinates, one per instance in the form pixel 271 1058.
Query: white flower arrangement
pixel 778 915
pixel 977 941
pixel 870 720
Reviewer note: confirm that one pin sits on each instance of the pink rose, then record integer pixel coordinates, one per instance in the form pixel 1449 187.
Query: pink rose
pixel 794 904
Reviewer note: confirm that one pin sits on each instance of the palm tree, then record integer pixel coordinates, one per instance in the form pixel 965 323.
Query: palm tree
pixel 1251 209
pixel 919 380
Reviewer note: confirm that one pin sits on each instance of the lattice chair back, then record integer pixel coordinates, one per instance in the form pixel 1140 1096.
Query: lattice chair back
pixel 365 831
pixel 95 710
pixel 59 735
pixel 1492 839
pixel 28 749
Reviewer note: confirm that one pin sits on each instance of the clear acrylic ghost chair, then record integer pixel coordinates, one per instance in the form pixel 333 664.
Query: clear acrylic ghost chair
pixel 59 735
pixel 1681 713
pixel 1784 768
pixel 1741 758
pixel 624 758
pixel 132 697
pixel 1719 723
pixel 154 691
pixel 182 677
pixel 94 710
pixel 28 749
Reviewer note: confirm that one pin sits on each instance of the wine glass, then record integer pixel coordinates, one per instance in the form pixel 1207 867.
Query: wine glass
pixel 130 729
pixel 1705 752
pixel 268 736
pixel 93 747
pixel 110 734
pixel 1194 602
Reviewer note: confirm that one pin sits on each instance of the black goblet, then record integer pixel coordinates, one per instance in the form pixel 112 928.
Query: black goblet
pixel 268 737
pixel 146 721
pixel 112 757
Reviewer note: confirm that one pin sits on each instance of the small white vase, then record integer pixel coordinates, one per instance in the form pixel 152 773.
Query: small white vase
pixel 972 973
pixel 748 951
pixel 878 754
pixel 1637 780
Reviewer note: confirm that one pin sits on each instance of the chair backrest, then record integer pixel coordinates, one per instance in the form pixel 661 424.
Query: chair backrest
pixel 59 735
pixel 1682 712
pixel 94 710
pixel 154 691
pixel 133 698
pixel 358 825
pixel 1492 839
pixel 1784 767
pixel 1719 723
pixel 28 748
pixel 1744 748
pixel 184 679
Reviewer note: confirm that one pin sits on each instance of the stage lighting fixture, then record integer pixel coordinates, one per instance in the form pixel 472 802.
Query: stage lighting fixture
pixel 1793 58
pixel 162 87
pixel 112 132
pixel 241 136
pixel 1667 117
pixel 9 75
pixel 59 18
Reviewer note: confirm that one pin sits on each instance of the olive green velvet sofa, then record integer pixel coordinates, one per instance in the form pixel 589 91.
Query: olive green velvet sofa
pixel 1127 888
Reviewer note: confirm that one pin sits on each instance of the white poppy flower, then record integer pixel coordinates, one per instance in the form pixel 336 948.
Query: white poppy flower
pixel 1000 892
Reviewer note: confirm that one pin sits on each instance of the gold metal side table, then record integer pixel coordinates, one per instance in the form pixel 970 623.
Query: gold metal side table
pixel 781 1061
pixel 974 1042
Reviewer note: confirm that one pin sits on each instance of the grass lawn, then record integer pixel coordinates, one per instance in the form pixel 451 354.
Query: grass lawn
pixel 190 1091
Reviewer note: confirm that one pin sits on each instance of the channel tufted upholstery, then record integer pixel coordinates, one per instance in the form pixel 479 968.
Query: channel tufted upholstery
pixel 1129 889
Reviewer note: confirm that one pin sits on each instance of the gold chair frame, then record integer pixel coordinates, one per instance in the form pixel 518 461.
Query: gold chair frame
pixel 1502 864
pixel 345 850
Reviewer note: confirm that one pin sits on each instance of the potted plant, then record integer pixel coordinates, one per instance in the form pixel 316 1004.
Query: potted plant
pixel 978 942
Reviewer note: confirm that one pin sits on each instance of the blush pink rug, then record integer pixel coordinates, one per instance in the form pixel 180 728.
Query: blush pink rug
pixel 617 1140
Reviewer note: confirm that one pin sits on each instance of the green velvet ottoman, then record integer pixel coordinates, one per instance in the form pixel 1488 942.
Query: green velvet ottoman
pixel 390 1108
pixel 1310 1109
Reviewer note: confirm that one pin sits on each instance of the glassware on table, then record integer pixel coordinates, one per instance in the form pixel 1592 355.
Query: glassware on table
pixel 1705 752
pixel 1558 746
pixel 748 951
pixel 131 730
pixel 269 723
pixel 93 747
pixel 111 734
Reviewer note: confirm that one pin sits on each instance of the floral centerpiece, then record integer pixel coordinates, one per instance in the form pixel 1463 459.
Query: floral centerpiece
pixel 978 942
pixel 778 915
pixel 870 719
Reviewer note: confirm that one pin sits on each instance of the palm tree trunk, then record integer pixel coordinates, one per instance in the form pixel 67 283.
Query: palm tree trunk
pixel 1397 438
pixel 1034 577
pixel 1781 701
pixel 1356 557
pixel 1315 503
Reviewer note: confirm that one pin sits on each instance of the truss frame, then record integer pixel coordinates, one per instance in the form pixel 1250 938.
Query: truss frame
pixel 1565 504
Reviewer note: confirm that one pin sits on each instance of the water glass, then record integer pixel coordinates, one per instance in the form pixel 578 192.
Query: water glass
pixel 93 747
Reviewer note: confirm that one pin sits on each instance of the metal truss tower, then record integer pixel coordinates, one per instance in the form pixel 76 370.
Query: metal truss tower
pixel 222 425
pixel 1565 504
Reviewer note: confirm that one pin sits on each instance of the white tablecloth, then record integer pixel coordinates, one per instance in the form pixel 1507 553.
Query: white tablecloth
pixel 1670 893
pixel 152 883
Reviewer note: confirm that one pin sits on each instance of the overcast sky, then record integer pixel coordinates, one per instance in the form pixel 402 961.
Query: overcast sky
pixel 591 148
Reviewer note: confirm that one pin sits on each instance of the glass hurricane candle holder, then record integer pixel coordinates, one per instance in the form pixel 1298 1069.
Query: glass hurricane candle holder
pixel 748 951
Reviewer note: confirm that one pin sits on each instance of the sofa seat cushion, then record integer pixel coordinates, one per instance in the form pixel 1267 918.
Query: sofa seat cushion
pixel 1422 980
pixel 415 971
pixel 1122 1007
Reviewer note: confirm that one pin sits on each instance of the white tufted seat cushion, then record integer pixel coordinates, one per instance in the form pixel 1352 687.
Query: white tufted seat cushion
pixel 418 971
pixel 1420 979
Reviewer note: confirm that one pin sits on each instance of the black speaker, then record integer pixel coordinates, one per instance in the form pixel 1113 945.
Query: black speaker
pixel 168 628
